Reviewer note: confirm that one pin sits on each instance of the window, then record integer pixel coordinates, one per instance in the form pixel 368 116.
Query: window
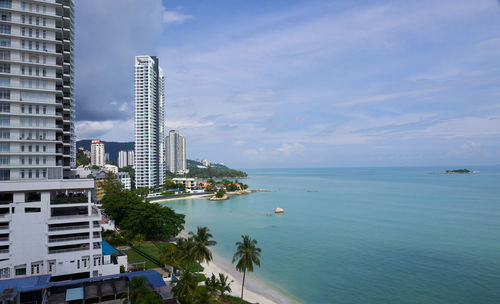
pixel 5 55
pixel 4 29
pixel 4 16
pixel 4 133
pixel 5 81
pixel 52 266
pixel 21 271
pixel 35 268
pixel 4 160
pixel 32 196
pixel 4 121
pixel 5 273
pixel 4 107
pixel 32 210
pixel 4 147
pixel 4 94
pixel 4 68
pixel 4 174
pixel 6 3
pixel 5 42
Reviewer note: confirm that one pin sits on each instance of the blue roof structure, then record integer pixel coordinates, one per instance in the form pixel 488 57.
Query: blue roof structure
pixel 74 294
pixel 26 284
pixel 154 278
pixel 107 249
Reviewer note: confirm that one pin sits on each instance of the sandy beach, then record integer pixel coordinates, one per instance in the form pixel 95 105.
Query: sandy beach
pixel 255 291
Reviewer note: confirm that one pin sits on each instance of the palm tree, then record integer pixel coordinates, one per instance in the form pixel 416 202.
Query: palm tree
pixel 185 288
pixel 211 283
pixel 170 255
pixel 186 252
pixel 247 254
pixel 139 287
pixel 202 240
pixel 223 285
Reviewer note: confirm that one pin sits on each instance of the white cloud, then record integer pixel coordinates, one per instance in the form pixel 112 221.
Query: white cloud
pixel 186 124
pixel 291 148
pixel 176 17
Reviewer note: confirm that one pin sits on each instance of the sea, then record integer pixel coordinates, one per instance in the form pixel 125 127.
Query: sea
pixel 365 235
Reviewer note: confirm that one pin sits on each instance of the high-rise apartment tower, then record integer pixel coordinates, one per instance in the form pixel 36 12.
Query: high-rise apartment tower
pixel 175 156
pixel 149 122
pixel 97 153
pixel 48 224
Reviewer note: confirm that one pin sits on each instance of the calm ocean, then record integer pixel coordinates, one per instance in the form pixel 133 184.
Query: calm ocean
pixel 366 235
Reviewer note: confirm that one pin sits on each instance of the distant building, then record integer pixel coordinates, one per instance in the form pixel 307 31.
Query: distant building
pixel 111 168
pixel 122 159
pixel 130 158
pixel 98 191
pixel 97 153
pixel 124 178
pixel 149 122
pixel 189 183
pixel 206 163
pixel 125 159
pixel 175 157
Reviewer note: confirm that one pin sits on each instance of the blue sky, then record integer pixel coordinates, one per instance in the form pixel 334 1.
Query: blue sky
pixel 287 83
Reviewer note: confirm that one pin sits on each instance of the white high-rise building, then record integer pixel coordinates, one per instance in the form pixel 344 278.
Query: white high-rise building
pixel 97 154
pixel 48 225
pixel 130 159
pixel 175 157
pixel 122 159
pixel 149 122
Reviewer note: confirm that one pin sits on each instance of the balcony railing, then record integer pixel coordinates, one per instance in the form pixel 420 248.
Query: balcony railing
pixel 65 239
pixel 67 228
pixel 69 200
pixel 51 251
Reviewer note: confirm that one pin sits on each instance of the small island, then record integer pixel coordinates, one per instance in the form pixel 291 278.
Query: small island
pixel 459 171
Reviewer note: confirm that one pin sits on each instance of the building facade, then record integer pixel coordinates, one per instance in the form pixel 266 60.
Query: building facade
pixel 48 223
pixel 175 156
pixel 130 158
pixel 97 154
pixel 149 122
pixel 37 139
pixel 124 178
pixel 122 159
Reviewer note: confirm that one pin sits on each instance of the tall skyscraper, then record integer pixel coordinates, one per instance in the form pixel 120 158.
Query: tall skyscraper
pixel 97 153
pixel 175 157
pixel 122 159
pixel 130 158
pixel 55 227
pixel 149 122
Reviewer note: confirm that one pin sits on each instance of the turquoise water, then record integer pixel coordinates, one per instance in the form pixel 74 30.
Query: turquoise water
pixel 367 235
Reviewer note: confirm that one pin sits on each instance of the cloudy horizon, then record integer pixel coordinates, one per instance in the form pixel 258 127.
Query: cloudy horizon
pixel 300 83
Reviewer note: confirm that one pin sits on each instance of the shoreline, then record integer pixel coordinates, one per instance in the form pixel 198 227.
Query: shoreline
pixel 208 195
pixel 255 290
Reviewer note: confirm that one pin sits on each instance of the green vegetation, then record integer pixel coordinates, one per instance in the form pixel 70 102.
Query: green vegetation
pixel 247 254
pixel 220 193
pixel 81 158
pixel 458 171
pixel 132 214
pixel 211 173
pixel 141 292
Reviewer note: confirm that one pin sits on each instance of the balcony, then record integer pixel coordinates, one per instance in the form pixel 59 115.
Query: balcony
pixel 68 239
pixel 69 248
pixel 66 228
pixel 71 198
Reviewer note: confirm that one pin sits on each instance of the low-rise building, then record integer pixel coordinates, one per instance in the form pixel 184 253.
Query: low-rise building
pixel 124 178
pixel 189 183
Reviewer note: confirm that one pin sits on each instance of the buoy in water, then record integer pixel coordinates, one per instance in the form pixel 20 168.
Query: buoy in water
pixel 279 210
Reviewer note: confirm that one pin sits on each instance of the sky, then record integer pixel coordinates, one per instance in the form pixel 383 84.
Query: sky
pixel 312 83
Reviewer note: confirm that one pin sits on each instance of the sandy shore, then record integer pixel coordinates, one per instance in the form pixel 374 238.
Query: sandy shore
pixel 255 291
